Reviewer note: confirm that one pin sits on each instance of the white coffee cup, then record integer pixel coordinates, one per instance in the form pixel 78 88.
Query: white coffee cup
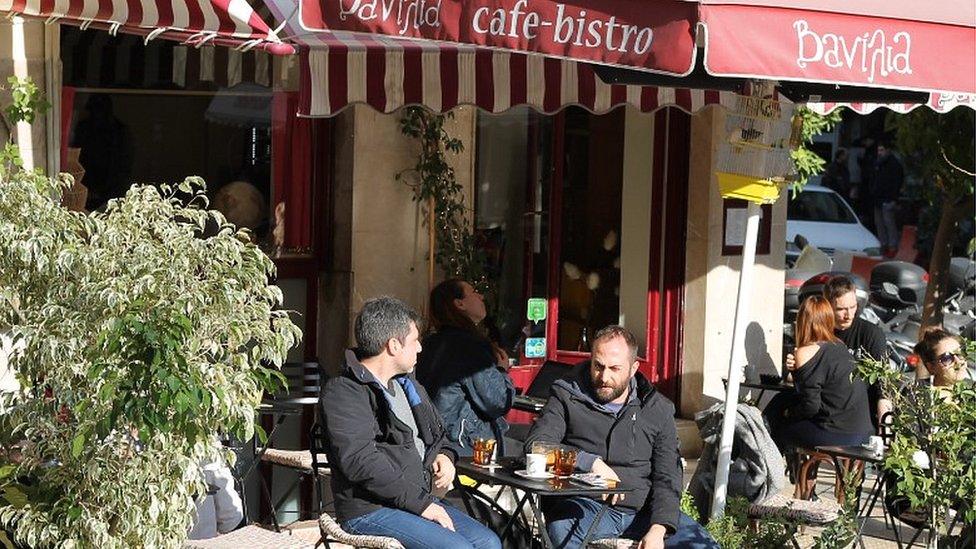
pixel 535 464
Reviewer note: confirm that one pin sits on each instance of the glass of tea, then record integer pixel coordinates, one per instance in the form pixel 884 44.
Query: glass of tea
pixel 484 450
pixel 565 462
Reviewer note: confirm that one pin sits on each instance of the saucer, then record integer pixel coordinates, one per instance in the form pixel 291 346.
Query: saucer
pixel 492 465
pixel 544 476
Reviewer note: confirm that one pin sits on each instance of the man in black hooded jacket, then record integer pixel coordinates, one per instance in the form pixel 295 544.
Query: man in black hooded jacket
pixel 624 431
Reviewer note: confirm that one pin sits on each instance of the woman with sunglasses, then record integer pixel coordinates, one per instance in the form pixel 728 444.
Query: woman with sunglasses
pixel 941 354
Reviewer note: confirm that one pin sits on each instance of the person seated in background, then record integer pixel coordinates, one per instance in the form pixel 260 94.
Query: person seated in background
pixel 625 432
pixel 386 443
pixel 830 406
pixel 463 371
pixel 862 338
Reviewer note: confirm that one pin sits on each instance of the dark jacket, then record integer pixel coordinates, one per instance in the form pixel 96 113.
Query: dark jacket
pixel 472 394
pixel 371 452
pixel 640 443
pixel 827 393
pixel 887 180
pixel 866 339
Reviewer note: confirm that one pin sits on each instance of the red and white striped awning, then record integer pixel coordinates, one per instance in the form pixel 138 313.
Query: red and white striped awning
pixel 196 22
pixel 938 102
pixel 342 69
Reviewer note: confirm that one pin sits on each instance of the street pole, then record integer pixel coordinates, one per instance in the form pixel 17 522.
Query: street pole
pixel 743 301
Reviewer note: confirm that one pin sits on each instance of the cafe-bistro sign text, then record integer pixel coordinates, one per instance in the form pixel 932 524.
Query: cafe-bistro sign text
pixel 589 30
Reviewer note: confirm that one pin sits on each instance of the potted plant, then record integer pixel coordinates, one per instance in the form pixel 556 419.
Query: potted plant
pixel 139 335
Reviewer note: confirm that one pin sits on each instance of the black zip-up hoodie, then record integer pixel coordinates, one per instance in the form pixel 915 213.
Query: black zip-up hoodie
pixel 371 451
pixel 640 443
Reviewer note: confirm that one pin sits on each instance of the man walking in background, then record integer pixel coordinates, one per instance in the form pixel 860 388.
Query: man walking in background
pixel 885 191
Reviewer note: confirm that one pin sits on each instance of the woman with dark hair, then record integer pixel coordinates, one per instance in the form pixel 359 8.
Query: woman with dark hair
pixel 941 354
pixel 830 407
pixel 464 372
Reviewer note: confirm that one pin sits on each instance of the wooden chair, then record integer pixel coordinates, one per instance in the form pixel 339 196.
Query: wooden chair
pixel 808 462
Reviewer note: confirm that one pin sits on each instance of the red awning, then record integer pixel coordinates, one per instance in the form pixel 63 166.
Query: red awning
pixel 197 22
pixel 894 44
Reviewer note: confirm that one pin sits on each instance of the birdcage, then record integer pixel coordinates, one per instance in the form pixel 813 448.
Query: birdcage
pixel 754 160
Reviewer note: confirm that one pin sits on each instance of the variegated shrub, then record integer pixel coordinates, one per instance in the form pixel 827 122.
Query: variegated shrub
pixel 139 336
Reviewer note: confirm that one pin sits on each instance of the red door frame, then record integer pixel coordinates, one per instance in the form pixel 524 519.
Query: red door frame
pixel 665 296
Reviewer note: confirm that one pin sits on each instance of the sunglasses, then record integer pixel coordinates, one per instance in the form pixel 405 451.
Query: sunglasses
pixel 948 358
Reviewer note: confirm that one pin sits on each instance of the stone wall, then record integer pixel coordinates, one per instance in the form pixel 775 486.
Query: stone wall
pixel 380 239
pixel 712 281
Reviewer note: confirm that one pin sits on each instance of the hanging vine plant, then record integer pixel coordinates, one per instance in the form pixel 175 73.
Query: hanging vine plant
pixel 441 197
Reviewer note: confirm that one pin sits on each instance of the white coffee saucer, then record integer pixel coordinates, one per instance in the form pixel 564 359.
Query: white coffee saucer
pixel 524 474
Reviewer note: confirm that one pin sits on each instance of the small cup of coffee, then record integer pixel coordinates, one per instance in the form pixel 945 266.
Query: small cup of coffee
pixel 535 464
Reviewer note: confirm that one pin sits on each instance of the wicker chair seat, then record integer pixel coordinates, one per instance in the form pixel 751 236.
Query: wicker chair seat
pixel 252 537
pixel 814 513
pixel 331 531
pixel 294 459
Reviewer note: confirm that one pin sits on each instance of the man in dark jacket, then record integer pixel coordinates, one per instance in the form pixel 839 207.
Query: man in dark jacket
pixel 387 445
pixel 624 431
pixel 886 190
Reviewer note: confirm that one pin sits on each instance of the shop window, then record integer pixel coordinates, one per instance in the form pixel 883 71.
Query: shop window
pixel 162 111
pixel 512 218
pixel 548 203
pixel 589 243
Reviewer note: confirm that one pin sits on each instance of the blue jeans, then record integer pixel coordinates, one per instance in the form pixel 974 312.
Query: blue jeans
pixel 568 520
pixel 416 532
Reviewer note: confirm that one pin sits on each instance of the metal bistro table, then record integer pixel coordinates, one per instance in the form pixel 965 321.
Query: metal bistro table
pixel 528 404
pixel 860 453
pixel 504 476
pixel 762 387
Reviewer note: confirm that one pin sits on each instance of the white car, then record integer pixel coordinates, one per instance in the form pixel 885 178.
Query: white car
pixel 825 219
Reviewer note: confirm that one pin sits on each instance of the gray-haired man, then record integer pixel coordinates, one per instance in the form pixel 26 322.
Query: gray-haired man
pixel 386 443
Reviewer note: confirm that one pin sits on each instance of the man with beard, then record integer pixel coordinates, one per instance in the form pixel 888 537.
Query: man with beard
pixel 625 432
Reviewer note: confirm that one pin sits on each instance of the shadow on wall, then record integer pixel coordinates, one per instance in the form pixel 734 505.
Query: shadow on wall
pixel 758 358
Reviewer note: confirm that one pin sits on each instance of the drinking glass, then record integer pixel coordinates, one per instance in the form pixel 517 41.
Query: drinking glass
pixel 484 449
pixel 565 462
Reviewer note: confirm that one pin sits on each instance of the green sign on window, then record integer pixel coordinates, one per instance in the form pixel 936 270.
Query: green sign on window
pixel 536 309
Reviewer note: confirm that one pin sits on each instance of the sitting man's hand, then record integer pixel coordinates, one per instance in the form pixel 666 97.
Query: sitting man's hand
pixel 601 468
pixel 436 513
pixel 654 538
pixel 443 470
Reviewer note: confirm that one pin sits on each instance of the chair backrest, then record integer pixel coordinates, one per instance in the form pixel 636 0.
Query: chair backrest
pixel 550 372
pixel 304 383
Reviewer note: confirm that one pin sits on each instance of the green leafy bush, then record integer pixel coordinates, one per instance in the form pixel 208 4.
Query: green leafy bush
pixel 933 452
pixel 140 335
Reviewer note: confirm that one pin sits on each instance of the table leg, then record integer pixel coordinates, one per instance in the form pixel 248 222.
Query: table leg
pixel 590 531
pixel 543 533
